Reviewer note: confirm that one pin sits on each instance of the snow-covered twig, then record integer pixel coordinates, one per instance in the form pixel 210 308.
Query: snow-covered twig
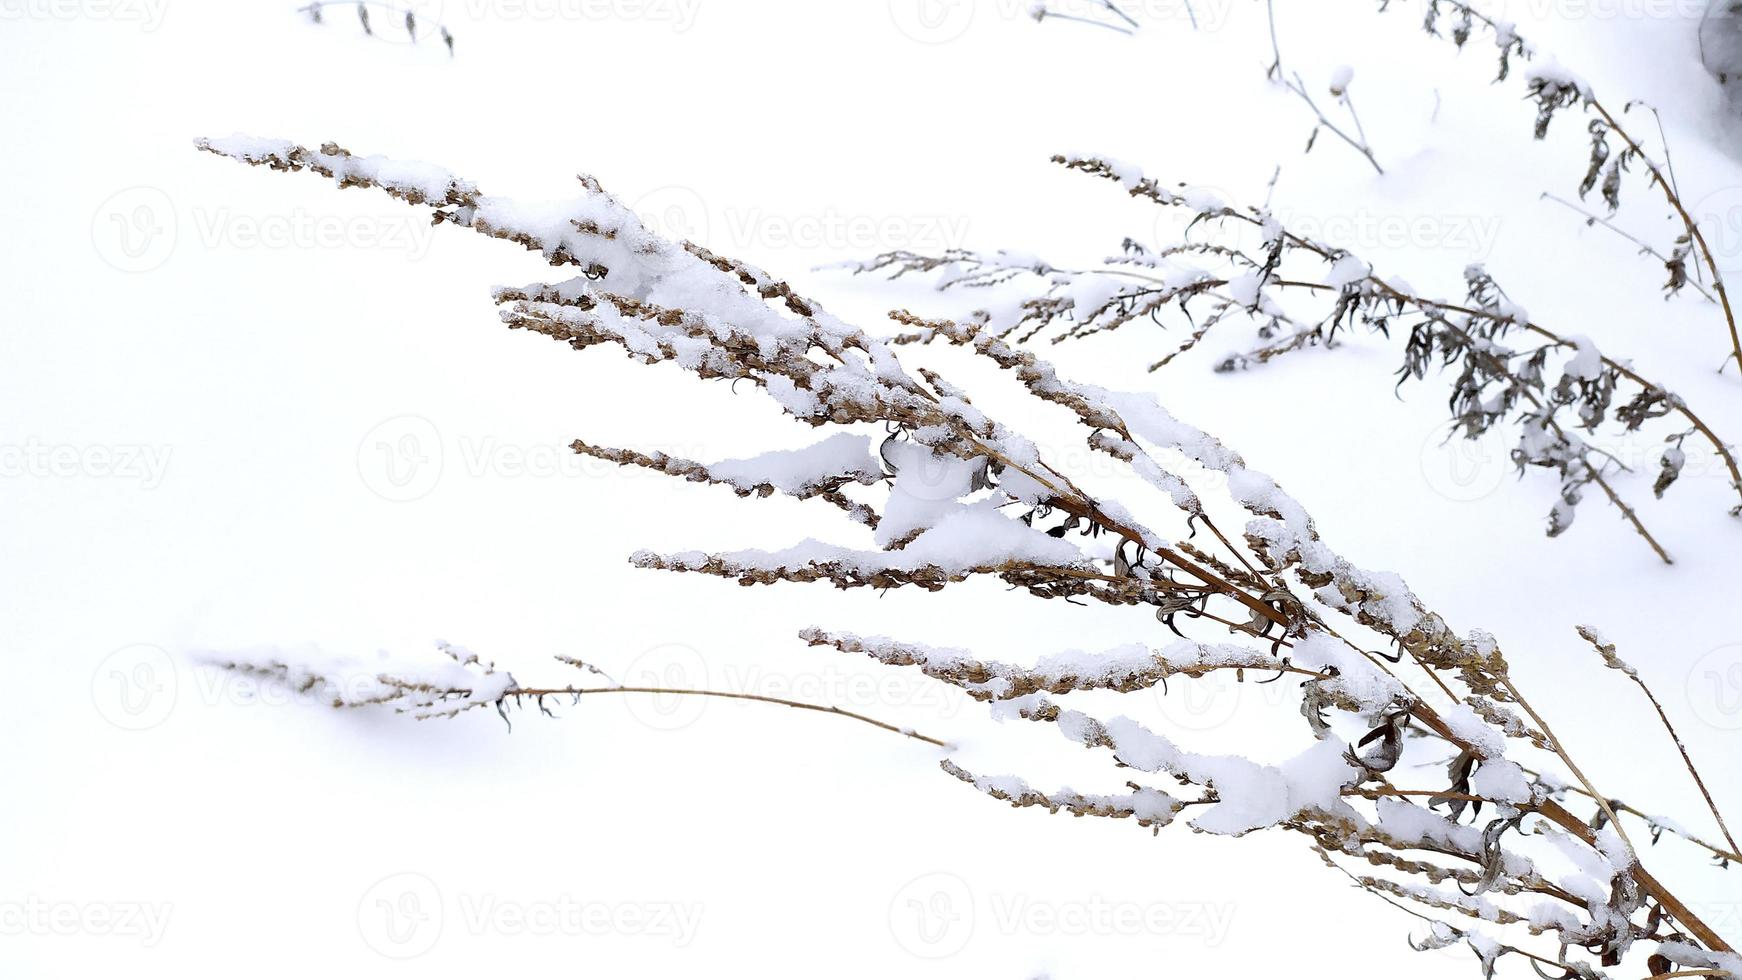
pixel 1606 650
pixel 1553 88
pixel 444 690
pixel 957 476
pixel 1210 282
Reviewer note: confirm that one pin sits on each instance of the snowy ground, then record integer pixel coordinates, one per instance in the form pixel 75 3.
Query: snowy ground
pixel 244 408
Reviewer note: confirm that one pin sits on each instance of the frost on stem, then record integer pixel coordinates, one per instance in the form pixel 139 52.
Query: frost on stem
pixel 968 495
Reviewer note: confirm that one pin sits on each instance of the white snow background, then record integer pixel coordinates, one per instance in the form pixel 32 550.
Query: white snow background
pixel 248 409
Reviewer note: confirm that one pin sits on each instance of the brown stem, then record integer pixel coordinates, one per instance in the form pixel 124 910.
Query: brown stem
pixel 1645 247
pixel 536 692
pixel 1687 220
pixel 1615 498
pixel 1681 408
pixel 1299 88
pixel 1152 191
pixel 1692 770
pixel 1559 815
pixel 1559 750
pixel 1623 807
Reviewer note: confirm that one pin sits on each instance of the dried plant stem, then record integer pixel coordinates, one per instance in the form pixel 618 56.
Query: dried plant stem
pixel 1054 15
pixel 1646 248
pixel 1627 511
pixel 1292 82
pixel 1555 745
pixel 828 489
pixel 1692 769
pixel 1380 794
pixel 1559 815
pixel 1118 12
pixel 1432 674
pixel 1718 445
pixel 1615 498
pixel 1607 651
pixel 1665 182
pixel 1666 185
pixel 1436 310
pixel 1621 806
pixel 1360 130
pixel 1674 906
pixel 636 293
pixel 578 692
pixel 1074 502
pixel 1325 856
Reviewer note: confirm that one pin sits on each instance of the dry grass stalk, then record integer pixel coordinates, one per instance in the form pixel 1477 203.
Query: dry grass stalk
pixel 1496 384
pixel 1290 602
pixel 1554 89
pixel 1142 283
pixel 1339 91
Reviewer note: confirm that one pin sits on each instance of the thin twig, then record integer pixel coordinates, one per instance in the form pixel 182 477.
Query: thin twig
pixel 1665 184
pixel 1298 87
pixel 1043 14
pixel 1644 247
pixel 1614 498
pixel 542 692
pixel 1608 652
pixel 1559 750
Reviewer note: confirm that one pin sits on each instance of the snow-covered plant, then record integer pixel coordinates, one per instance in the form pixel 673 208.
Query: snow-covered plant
pixel 1615 150
pixel 1510 370
pixel 1385 683
pixel 444 688
pixel 1551 386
